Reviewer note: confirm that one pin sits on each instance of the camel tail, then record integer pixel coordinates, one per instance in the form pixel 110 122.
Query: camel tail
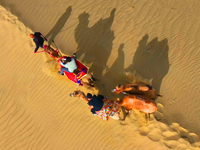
pixel 159 95
pixel 155 93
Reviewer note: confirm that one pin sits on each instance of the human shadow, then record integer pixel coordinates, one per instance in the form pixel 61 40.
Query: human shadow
pixel 151 60
pixel 95 43
pixel 59 25
pixel 113 74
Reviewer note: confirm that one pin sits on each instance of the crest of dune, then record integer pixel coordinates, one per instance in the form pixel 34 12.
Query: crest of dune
pixel 156 42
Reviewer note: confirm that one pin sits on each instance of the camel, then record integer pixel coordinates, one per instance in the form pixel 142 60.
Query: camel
pixel 53 53
pixel 138 102
pixel 80 75
pixel 81 95
pixel 89 80
pixel 139 88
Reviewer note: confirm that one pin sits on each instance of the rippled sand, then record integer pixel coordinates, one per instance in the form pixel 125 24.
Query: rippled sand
pixel 121 41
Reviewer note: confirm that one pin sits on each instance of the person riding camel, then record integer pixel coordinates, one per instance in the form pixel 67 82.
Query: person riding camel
pixel 99 105
pixel 68 64
pixel 95 102
pixel 38 38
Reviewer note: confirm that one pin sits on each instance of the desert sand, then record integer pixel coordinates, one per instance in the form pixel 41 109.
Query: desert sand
pixel 122 41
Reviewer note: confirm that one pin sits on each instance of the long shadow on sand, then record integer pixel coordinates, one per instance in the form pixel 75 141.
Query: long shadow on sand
pixel 113 74
pixel 151 60
pixel 59 25
pixel 95 43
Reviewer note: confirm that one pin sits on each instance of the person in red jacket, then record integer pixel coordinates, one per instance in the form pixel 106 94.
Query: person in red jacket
pixel 38 38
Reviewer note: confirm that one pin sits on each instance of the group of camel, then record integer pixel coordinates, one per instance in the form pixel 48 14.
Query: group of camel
pixel 139 96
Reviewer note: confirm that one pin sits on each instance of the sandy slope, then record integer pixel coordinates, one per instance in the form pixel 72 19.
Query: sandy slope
pixel 121 41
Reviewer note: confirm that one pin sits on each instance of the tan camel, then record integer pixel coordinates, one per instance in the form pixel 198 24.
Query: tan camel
pixel 53 53
pixel 89 80
pixel 138 102
pixel 139 88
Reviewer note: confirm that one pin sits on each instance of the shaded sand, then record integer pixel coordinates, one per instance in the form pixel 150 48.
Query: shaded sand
pixel 122 42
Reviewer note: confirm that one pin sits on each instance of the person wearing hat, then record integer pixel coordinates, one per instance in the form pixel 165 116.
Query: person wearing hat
pixel 68 64
pixel 38 38
pixel 95 102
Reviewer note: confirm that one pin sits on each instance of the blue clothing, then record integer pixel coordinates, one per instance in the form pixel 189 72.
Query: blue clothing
pixel 63 69
pixel 39 41
pixel 97 103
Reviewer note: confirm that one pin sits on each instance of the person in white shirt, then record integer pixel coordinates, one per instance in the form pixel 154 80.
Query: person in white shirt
pixel 68 64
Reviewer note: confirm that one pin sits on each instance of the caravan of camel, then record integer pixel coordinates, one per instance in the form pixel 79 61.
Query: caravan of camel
pixel 139 96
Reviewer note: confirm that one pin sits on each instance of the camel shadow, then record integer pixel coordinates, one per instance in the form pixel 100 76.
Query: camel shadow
pixel 111 76
pixel 151 61
pixel 59 25
pixel 95 43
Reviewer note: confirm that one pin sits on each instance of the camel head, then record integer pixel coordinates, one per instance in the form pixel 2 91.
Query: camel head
pixel 88 80
pixel 118 89
pixel 79 94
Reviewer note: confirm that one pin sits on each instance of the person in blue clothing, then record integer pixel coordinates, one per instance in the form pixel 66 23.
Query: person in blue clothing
pixel 95 102
pixel 38 38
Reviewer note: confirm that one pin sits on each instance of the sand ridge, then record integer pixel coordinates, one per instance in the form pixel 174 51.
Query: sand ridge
pixel 37 112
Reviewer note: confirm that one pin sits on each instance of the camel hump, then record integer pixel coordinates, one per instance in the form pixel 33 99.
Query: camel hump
pixel 149 87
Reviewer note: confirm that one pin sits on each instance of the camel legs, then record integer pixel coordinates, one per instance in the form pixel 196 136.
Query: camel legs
pixel 125 114
pixel 147 117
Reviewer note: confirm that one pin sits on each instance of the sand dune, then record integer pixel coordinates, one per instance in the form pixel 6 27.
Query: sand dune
pixel 121 42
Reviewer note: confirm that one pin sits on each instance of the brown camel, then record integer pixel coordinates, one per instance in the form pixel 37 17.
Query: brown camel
pixel 138 102
pixel 139 88
pixel 89 80
pixel 53 53
pixel 79 94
